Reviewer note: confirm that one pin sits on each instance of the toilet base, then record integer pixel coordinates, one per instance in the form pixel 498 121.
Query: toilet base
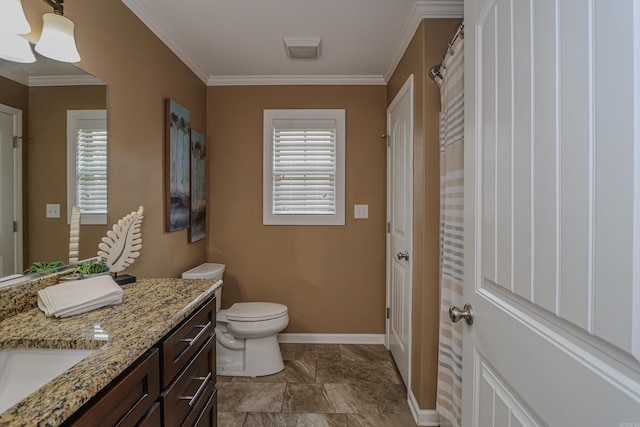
pixel 258 357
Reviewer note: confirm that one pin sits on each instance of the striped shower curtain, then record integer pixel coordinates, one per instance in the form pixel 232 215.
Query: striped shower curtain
pixel 449 395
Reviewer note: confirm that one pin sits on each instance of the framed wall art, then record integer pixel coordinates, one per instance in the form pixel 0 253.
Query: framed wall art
pixel 198 214
pixel 177 166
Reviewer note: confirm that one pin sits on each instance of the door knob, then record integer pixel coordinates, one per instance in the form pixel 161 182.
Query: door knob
pixel 404 255
pixel 455 314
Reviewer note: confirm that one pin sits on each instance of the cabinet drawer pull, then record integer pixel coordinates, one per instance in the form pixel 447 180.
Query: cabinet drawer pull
pixel 191 341
pixel 196 396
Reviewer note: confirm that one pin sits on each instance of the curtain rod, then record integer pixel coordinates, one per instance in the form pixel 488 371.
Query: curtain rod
pixel 435 70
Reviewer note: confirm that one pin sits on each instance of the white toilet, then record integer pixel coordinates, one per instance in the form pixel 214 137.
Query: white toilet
pixel 246 333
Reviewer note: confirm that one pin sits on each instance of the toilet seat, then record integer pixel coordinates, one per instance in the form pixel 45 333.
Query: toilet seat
pixel 255 311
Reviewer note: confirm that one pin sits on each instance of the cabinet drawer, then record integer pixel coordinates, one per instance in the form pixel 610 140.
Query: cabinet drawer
pixel 153 417
pixel 209 415
pixel 178 347
pixel 129 400
pixel 191 391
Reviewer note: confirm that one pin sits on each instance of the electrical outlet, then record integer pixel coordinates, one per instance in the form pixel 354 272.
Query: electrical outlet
pixel 361 211
pixel 53 210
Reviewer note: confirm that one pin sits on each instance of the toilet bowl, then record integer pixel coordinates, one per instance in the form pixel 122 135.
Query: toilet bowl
pixel 246 333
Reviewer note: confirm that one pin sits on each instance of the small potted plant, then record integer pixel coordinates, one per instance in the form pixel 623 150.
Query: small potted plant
pixel 92 268
pixel 39 266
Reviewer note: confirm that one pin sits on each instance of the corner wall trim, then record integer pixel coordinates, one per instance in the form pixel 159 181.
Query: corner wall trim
pixel 331 338
pixel 422 417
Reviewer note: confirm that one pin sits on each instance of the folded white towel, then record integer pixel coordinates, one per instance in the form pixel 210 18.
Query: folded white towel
pixel 79 296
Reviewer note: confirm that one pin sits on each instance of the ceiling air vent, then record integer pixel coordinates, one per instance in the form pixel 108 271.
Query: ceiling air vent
pixel 303 47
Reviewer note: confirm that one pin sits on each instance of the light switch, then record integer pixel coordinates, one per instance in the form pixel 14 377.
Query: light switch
pixel 361 211
pixel 53 210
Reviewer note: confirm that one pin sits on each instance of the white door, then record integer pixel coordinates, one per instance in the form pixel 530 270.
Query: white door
pixel 552 213
pixel 11 191
pixel 400 226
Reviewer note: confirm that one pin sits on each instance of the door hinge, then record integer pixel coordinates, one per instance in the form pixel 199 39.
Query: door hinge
pixel 15 141
pixel 388 226
pixel 15 226
pixel 388 312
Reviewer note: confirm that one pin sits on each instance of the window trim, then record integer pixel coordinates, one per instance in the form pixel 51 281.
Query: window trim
pixel 268 217
pixel 72 129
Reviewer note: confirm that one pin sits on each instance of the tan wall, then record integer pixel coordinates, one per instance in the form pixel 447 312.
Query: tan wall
pixel 47 130
pixel 332 278
pixel 14 94
pixel 141 73
pixel 426 49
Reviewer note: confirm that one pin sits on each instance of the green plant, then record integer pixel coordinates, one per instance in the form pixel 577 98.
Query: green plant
pixel 91 267
pixel 40 266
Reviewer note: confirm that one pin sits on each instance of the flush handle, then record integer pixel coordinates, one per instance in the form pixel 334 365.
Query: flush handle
pixel 455 314
pixel 404 255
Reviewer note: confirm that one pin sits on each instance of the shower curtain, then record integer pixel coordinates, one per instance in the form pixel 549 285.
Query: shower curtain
pixel 449 394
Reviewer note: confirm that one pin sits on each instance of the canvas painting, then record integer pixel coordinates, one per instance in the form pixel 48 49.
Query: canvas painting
pixel 197 227
pixel 178 143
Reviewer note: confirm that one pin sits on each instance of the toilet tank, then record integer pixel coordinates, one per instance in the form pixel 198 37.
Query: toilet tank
pixel 208 270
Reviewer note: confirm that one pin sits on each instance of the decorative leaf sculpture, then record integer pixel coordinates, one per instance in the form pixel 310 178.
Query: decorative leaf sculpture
pixel 122 245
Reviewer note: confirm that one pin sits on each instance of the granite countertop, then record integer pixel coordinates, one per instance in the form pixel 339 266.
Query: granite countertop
pixel 121 334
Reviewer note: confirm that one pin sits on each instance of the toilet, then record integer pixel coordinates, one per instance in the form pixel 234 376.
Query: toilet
pixel 246 333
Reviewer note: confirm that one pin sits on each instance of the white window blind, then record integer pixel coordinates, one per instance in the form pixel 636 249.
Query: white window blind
pixel 304 167
pixel 304 171
pixel 91 171
pixel 87 142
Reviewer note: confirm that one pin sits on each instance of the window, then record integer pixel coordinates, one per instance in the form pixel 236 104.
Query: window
pixel 87 165
pixel 303 173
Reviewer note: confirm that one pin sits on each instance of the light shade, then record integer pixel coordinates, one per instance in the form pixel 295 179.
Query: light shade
pixel 15 48
pixel 12 19
pixel 57 41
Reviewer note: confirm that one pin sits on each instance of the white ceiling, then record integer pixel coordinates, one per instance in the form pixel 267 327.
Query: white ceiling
pixel 231 42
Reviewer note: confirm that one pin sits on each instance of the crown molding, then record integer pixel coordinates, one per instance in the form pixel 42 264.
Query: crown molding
pixel 293 80
pixel 34 81
pixel 165 36
pixel 65 81
pixel 423 9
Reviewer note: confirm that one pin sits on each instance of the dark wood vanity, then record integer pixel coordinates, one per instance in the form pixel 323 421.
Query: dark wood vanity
pixel 172 384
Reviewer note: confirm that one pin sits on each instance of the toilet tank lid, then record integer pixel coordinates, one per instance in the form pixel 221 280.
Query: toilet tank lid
pixel 208 270
pixel 255 311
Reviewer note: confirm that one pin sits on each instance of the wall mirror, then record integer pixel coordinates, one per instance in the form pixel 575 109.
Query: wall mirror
pixel 35 181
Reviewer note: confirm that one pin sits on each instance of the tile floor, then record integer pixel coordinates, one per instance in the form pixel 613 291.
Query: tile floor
pixel 321 385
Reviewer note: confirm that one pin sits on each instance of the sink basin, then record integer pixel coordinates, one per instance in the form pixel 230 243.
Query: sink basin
pixel 24 370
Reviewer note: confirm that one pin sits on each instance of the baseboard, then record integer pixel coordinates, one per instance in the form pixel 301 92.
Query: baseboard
pixel 422 417
pixel 331 338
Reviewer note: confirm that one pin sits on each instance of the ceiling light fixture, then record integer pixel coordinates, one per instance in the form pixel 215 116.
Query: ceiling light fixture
pixel 16 48
pixel 57 40
pixel 12 19
pixel 303 47
pixel 12 23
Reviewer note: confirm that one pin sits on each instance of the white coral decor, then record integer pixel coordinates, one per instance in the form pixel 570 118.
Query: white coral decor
pixel 122 245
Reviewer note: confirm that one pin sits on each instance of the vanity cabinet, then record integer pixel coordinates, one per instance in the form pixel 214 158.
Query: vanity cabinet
pixel 189 368
pixel 172 385
pixel 128 400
